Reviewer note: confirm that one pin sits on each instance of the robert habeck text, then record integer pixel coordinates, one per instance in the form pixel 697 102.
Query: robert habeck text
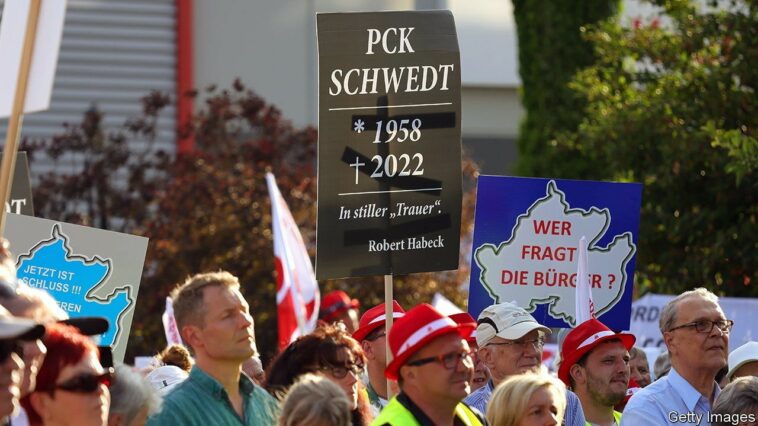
pixel 410 243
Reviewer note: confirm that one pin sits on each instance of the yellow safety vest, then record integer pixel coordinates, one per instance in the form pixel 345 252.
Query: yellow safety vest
pixel 396 414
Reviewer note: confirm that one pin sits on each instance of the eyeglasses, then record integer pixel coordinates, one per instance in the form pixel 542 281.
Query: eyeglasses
pixel 522 345
pixel 340 371
pixel 448 360
pixel 86 382
pixel 7 347
pixel 706 326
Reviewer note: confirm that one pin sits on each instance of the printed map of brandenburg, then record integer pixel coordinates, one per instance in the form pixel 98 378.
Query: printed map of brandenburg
pixel 538 264
pixel 73 281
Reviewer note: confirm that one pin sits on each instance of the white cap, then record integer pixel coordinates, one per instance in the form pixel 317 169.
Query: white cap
pixel 12 328
pixel 505 320
pixel 744 354
pixel 165 378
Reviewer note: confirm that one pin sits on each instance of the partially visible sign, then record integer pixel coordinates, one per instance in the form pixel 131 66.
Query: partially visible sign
pixel 88 271
pixel 20 201
pixel 646 313
pixel 173 337
pixel 389 157
pixel 44 56
pixel 526 238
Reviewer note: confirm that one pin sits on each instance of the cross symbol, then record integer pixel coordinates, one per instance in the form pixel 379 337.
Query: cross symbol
pixel 351 157
pixel 357 165
pixel 440 120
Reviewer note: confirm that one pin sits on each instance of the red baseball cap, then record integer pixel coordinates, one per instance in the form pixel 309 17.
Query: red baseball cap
pixel 415 329
pixel 585 337
pixel 334 304
pixel 633 388
pixel 375 318
pixel 466 318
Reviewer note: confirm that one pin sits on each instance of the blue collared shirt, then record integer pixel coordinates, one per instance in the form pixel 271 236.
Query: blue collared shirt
pixel 667 401
pixel 574 415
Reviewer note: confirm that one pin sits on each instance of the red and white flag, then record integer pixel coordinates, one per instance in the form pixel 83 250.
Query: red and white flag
pixel 169 324
pixel 585 308
pixel 297 295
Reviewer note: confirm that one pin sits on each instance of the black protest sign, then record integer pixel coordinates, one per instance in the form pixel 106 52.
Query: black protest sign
pixel 20 200
pixel 389 153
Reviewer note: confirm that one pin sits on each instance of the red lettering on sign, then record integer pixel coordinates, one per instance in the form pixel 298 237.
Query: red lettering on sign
pixel 552 227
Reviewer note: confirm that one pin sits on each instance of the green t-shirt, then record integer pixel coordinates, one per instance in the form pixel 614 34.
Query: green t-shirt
pixel 202 401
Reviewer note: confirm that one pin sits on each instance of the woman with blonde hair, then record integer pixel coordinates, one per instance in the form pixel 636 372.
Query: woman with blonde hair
pixel 315 401
pixel 532 399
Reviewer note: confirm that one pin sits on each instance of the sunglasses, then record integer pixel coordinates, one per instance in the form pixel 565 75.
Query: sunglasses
pixel 8 347
pixel 87 382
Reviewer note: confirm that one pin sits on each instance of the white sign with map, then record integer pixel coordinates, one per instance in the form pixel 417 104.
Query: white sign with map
pixel 88 271
pixel 537 263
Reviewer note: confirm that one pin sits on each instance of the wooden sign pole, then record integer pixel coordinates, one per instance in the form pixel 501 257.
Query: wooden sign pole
pixel 388 312
pixel 17 113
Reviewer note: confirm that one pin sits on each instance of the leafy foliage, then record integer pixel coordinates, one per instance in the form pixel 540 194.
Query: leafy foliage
pixel 209 209
pixel 671 104
pixel 551 51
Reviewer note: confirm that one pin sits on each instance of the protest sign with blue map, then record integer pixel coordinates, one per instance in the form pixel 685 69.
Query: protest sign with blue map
pixel 526 239
pixel 88 271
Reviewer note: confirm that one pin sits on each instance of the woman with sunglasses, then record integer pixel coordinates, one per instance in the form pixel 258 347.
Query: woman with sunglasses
pixel 72 386
pixel 330 352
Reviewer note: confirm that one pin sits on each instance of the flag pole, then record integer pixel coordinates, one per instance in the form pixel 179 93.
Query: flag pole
pixel 388 312
pixel 14 121
pixel 584 308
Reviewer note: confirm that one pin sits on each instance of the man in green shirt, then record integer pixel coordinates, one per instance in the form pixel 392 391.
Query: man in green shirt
pixel 214 320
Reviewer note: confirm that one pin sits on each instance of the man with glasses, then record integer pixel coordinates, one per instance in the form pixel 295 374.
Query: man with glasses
pixel 595 365
pixel 481 373
pixel 372 336
pixel 510 343
pixel 433 366
pixel 696 333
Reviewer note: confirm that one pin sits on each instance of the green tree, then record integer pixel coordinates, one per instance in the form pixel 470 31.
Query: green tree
pixel 209 209
pixel 551 51
pixel 671 104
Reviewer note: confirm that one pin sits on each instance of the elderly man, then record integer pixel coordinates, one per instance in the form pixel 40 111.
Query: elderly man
pixel 433 366
pixel 133 399
pixel 696 333
pixel 253 367
pixel 372 336
pixel 214 320
pixel 595 365
pixel 510 342
pixel 639 368
pixel 481 373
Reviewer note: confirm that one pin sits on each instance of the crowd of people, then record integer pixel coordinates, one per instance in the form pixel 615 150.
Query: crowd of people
pixel 444 370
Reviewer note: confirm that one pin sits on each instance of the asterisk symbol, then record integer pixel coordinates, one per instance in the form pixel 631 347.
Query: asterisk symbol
pixel 359 126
